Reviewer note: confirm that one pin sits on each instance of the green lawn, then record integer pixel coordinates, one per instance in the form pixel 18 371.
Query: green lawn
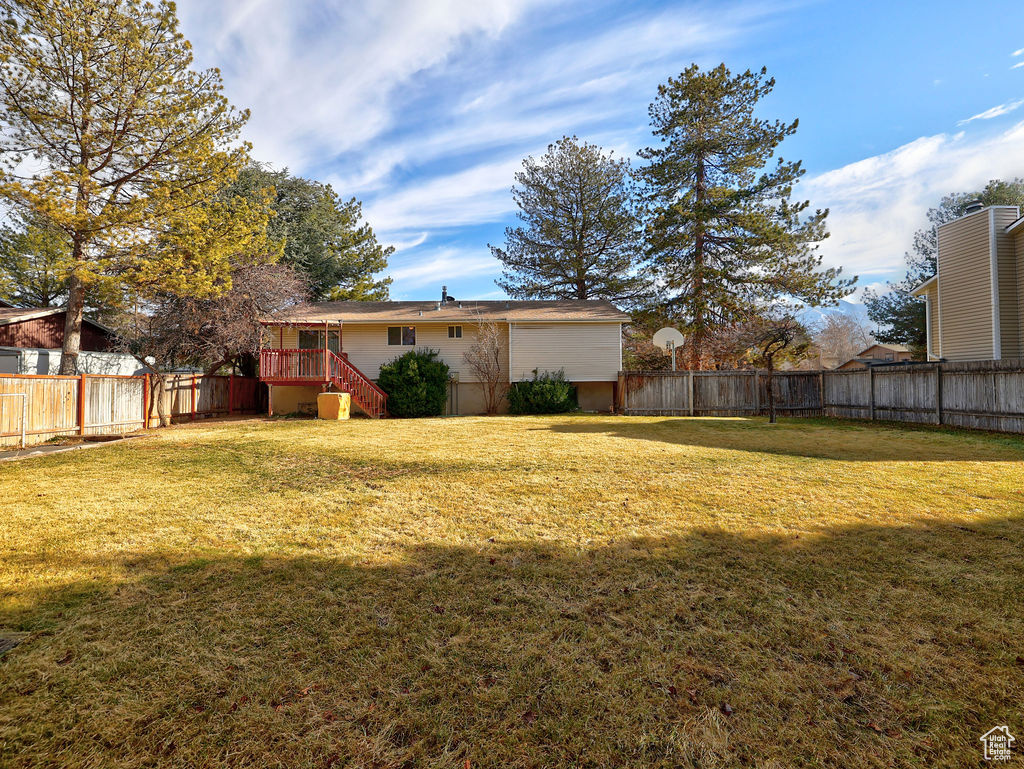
pixel 514 592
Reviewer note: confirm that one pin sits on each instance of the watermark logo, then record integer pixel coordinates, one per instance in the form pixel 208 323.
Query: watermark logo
pixel 998 742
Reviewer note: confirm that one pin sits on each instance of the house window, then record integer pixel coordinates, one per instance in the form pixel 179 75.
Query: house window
pixel 455 332
pixel 402 335
pixel 889 356
pixel 314 340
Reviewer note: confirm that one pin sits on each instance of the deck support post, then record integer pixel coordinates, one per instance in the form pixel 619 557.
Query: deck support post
pixel 270 400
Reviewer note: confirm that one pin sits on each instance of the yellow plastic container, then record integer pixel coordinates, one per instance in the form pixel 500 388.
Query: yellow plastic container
pixel 333 405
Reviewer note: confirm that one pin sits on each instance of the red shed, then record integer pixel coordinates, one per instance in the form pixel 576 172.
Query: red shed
pixel 43 328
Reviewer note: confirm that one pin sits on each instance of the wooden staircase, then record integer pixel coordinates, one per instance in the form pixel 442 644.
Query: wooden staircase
pixel 347 378
pixel 311 367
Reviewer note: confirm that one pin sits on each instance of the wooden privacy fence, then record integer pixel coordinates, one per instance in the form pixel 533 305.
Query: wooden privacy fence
pixel 718 393
pixel 986 395
pixel 44 407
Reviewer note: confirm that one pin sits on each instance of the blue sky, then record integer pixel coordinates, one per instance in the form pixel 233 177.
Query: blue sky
pixel 424 109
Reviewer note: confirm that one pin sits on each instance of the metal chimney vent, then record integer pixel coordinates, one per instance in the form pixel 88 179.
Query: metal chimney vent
pixel 973 207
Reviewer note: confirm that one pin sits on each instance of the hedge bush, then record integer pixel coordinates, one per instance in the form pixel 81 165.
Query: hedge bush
pixel 416 384
pixel 546 393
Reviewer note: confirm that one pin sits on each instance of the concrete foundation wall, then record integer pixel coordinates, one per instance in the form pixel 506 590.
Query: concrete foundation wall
pixel 468 401
pixel 287 399
pixel 596 396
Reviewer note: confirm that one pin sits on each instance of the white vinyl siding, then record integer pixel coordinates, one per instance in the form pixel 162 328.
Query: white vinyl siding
pixel 283 338
pixel 367 346
pixel 965 288
pixel 586 352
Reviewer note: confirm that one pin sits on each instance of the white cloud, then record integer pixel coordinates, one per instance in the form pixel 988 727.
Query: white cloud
pixel 320 78
pixel 1018 65
pixel 414 240
pixel 472 196
pixel 993 112
pixel 443 266
pixel 997 111
pixel 878 203
pixel 1018 52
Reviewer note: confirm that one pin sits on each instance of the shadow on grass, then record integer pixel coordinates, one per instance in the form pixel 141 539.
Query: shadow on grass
pixel 846 441
pixel 864 646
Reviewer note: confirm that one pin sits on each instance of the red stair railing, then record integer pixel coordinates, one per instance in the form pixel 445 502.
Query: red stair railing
pixel 368 396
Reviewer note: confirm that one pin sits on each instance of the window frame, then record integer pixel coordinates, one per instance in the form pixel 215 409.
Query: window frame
pixel 455 332
pixel 402 335
pixel 333 337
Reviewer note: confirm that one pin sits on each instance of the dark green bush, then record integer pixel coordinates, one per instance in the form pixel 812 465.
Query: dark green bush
pixel 416 384
pixel 546 393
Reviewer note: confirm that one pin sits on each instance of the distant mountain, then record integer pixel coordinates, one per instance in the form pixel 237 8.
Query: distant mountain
pixel 811 316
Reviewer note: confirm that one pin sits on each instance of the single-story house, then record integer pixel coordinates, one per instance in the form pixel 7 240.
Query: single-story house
pixel 583 338
pixel 31 339
pixel 878 353
pixel 974 304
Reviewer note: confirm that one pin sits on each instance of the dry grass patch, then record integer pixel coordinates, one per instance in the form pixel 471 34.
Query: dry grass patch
pixel 515 592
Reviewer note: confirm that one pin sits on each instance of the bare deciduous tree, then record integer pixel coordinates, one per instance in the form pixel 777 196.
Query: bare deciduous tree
pixel 771 339
pixel 177 331
pixel 840 337
pixel 484 358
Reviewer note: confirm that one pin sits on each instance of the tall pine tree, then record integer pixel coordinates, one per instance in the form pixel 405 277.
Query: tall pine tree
pixel 725 238
pixel 580 234
pixel 322 236
pixel 113 138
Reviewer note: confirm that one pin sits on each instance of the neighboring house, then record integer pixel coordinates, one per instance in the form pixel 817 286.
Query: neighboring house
pixel 876 354
pixel 31 339
pixel 582 338
pixel 974 304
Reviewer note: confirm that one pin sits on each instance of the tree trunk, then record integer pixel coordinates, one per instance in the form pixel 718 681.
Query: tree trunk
pixel 158 398
pixel 213 368
pixel 73 325
pixel 699 338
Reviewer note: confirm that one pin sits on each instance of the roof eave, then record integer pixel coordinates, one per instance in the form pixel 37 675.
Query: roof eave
pixel 31 315
pixel 920 289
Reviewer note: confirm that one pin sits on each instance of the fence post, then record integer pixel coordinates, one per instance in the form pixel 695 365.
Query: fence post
pixel 193 397
pixel 690 385
pixel 821 392
pixel 145 402
pixel 871 390
pixel 81 404
pixel 938 392
pixel 757 390
pixel 231 394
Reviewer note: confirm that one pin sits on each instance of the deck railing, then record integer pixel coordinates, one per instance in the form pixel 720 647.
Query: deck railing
pixel 308 366
pixel 369 396
pixel 293 365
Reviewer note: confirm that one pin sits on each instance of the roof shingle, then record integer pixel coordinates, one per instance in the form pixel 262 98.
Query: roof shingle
pixel 389 312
